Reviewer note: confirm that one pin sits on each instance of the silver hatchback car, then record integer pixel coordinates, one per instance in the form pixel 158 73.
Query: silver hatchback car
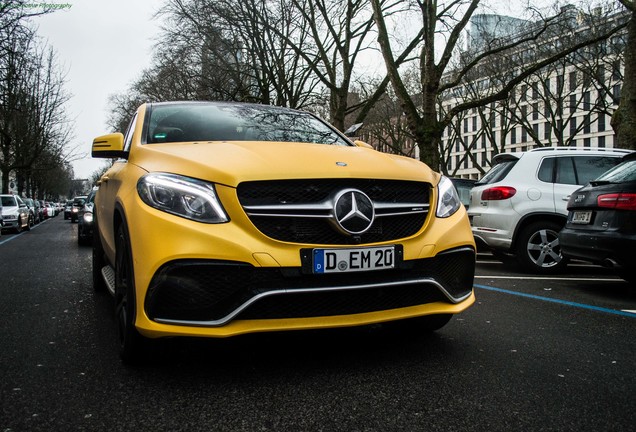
pixel 15 213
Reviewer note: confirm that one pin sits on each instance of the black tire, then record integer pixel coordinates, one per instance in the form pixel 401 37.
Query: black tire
pixel 98 263
pixel 131 343
pixel 538 249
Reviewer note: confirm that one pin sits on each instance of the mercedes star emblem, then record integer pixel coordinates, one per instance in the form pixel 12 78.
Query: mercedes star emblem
pixel 354 211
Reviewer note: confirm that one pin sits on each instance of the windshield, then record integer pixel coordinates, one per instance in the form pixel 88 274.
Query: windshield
pixel 624 172
pixel 228 122
pixel 497 173
pixel 8 201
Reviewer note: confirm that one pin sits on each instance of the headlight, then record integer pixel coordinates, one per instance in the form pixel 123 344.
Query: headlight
pixel 447 199
pixel 182 196
pixel 88 217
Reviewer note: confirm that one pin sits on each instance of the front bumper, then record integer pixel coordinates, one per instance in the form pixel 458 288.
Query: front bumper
pixel 211 294
pixel 222 280
pixel 9 223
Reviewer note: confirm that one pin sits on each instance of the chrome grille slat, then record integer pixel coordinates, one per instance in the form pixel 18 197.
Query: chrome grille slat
pixel 302 211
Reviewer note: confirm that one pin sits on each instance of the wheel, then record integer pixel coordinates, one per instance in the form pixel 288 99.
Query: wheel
pixel 28 224
pixel 98 263
pixel 538 249
pixel 131 343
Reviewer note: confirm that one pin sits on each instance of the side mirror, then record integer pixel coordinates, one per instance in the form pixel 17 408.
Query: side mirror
pixel 109 146
pixel 353 130
pixel 362 144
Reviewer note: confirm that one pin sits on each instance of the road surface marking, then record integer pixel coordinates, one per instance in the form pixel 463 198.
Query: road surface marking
pixel 562 302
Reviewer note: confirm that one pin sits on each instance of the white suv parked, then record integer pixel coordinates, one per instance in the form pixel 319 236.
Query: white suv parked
pixel 518 208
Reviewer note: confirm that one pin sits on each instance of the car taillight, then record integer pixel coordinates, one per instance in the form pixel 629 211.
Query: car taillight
pixel 620 201
pixel 498 193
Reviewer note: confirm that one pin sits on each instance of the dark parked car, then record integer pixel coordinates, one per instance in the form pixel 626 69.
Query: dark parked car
pixel 34 210
pixel 464 186
pixel 68 207
pixel 78 204
pixel 85 221
pixel 601 225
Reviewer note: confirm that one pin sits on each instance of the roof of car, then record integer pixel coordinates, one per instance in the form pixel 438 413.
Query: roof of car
pixel 222 103
pixel 502 157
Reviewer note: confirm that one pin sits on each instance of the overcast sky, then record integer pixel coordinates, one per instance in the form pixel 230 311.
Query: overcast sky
pixel 103 45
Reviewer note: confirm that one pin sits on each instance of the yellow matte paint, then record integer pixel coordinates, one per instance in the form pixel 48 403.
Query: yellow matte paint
pixel 157 238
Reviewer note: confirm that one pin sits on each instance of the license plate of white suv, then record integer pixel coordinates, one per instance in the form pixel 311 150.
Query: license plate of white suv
pixel 581 217
pixel 353 260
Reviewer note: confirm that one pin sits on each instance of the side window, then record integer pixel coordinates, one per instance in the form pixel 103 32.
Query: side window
pixel 129 133
pixel 546 170
pixel 589 168
pixel 565 173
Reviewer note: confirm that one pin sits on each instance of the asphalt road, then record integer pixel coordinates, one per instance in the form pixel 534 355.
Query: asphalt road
pixel 533 354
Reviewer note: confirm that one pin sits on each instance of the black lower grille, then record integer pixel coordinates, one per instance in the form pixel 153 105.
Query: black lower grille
pixel 212 290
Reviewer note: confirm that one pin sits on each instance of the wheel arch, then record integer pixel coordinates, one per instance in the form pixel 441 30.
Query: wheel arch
pixel 119 218
pixel 535 217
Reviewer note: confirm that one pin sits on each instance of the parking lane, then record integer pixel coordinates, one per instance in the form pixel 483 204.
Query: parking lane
pixel 629 314
pixel 583 286
pixel 13 236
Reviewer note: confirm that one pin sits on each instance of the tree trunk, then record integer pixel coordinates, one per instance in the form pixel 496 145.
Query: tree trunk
pixel 624 119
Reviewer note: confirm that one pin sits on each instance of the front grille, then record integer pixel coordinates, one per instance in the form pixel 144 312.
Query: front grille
pixel 300 211
pixel 213 290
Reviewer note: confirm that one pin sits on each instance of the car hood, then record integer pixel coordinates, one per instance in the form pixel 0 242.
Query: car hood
pixel 231 163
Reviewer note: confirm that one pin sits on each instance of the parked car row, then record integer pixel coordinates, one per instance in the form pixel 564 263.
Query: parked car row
pixel 17 213
pixel 519 208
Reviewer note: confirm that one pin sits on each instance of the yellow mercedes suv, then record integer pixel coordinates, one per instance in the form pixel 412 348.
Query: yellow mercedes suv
pixel 220 219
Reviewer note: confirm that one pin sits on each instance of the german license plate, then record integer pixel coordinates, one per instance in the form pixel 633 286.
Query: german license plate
pixel 581 217
pixel 353 260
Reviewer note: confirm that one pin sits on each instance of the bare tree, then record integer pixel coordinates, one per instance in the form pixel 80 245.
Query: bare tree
pixel 32 116
pixel 624 119
pixel 441 74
